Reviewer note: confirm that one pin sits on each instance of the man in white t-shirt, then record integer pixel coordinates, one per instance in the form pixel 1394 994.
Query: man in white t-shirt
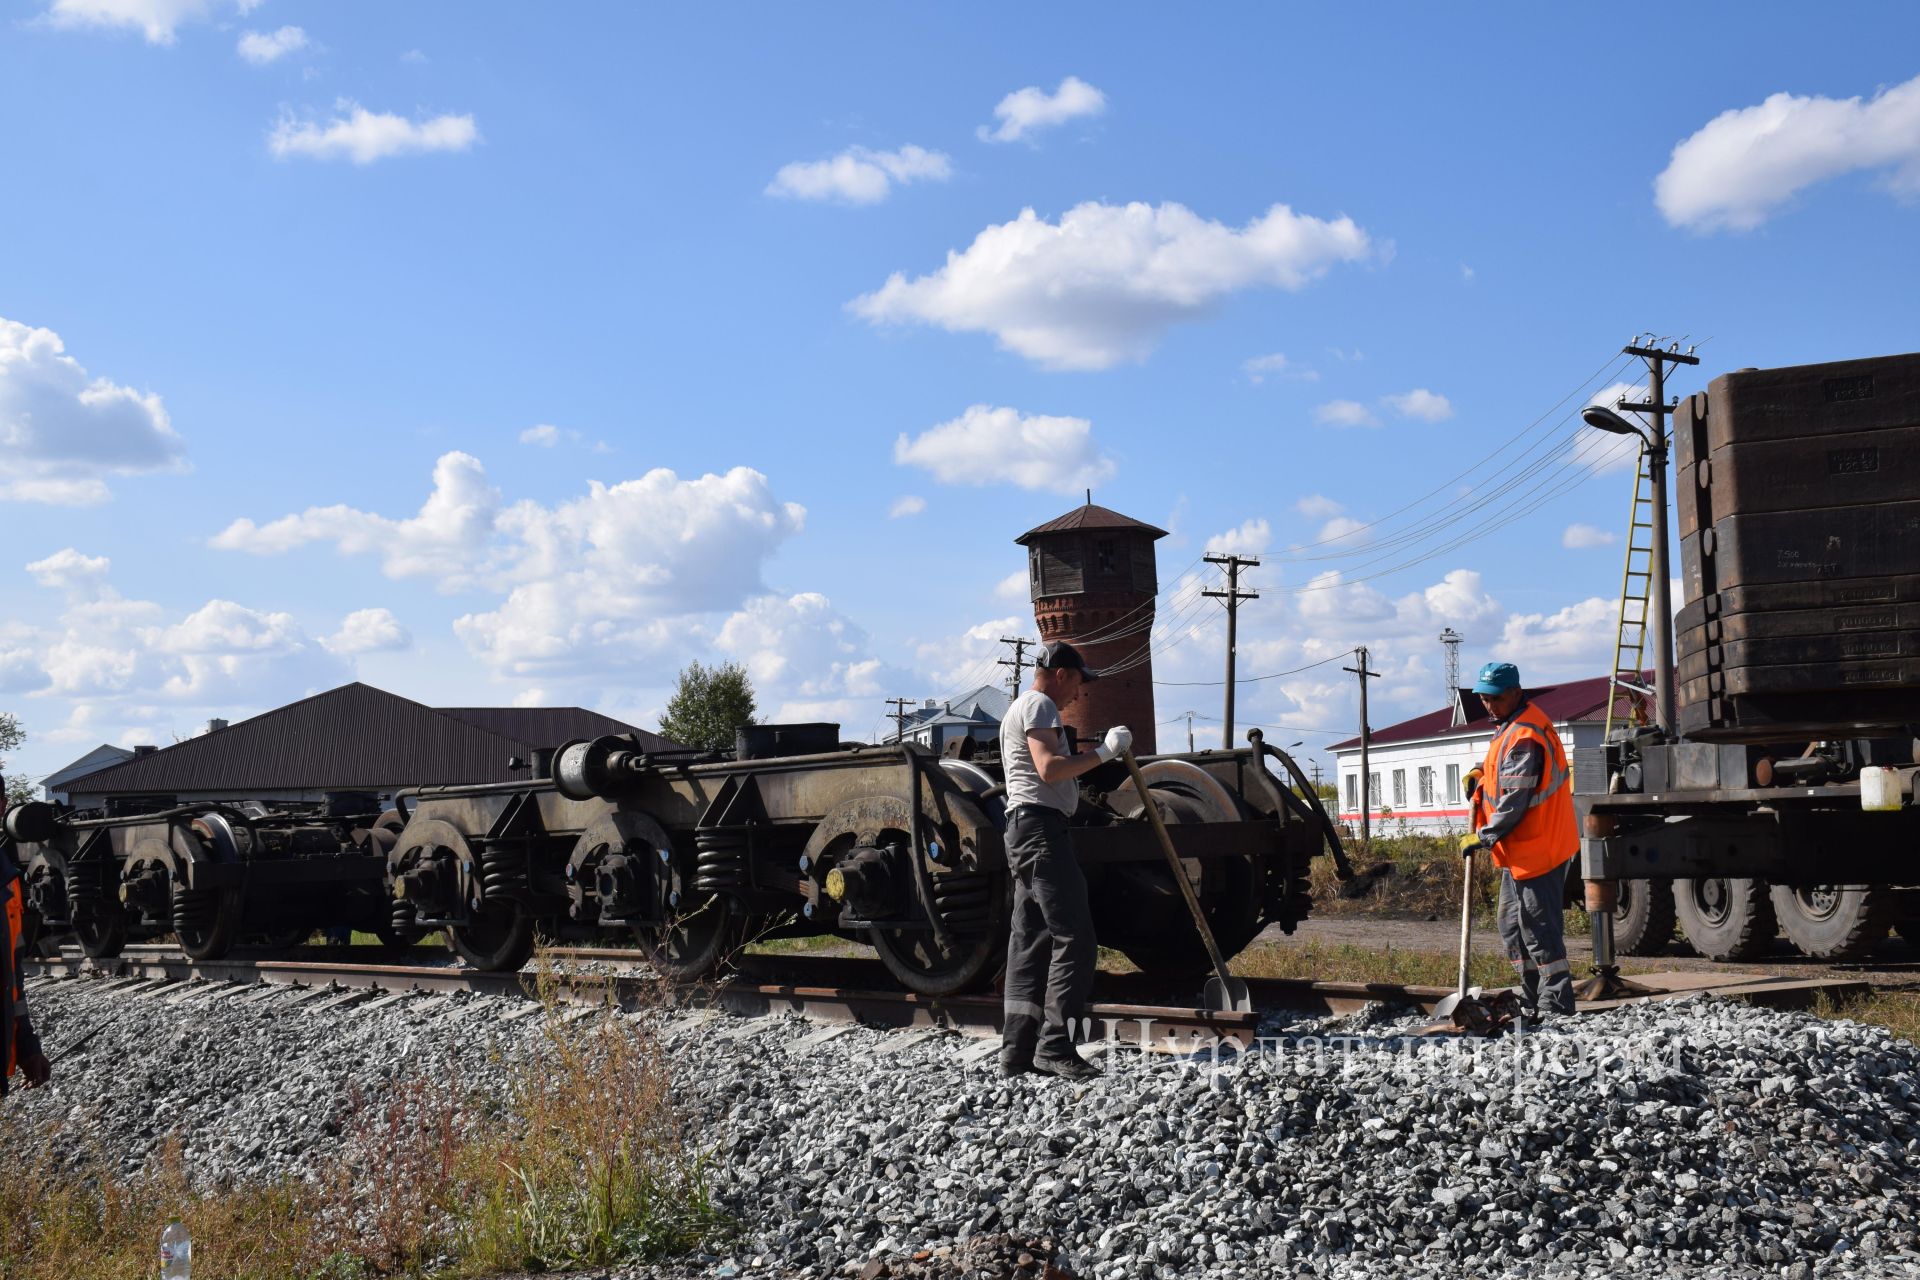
pixel 1050 952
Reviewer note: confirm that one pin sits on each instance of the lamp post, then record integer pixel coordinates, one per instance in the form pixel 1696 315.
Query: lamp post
pixel 1655 443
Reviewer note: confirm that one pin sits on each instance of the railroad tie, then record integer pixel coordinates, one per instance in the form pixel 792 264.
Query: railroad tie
pixel 808 1043
pixel 388 1001
pixel 901 1041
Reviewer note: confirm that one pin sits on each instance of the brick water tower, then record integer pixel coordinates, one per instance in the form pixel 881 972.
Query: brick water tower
pixel 1092 578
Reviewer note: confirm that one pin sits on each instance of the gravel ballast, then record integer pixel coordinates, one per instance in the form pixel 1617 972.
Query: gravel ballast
pixel 1697 1138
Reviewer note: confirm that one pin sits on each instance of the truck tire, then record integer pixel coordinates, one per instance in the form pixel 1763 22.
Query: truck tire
pixel 1834 922
pixel 1725 919
pixel 1643 922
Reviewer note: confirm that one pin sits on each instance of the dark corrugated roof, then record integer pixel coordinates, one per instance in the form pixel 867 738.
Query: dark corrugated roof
pixel 1089 517
pixel 355 737
pixel 1578 700
pixel 551 726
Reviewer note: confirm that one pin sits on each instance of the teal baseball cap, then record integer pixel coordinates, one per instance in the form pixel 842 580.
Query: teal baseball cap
pixel 1497 677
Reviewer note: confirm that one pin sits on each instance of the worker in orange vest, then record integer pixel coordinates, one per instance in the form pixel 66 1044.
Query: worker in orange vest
pixel 19 1047
pixel 1523 811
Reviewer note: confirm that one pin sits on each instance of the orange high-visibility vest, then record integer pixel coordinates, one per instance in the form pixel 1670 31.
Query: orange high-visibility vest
pixel 1547 836
pixel 16 924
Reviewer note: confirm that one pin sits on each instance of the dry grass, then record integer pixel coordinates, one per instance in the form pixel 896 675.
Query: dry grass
pixel 1897 1011
pixel 1345 962
pixel 585 1161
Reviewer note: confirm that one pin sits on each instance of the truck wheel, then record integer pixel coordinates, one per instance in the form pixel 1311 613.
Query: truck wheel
pixel 1834 922
pixel 1643 922
pixel 1725 919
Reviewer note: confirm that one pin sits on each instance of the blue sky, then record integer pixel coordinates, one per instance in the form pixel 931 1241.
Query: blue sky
pixel 279 275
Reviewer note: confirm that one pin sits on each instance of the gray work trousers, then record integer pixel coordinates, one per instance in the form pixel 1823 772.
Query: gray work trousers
pixel 1534 931
pixel 1050 952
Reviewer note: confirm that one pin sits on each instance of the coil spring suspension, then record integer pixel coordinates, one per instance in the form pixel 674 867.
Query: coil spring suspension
pixel 720 861
pixel 87 889
pixel 405 915
pixel 194 910
pixel 503 873
pixel 963 899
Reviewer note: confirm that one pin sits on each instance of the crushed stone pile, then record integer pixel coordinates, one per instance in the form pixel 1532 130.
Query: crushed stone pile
pixel 256 1086
pixel 1699 1138
pixel 1702 1137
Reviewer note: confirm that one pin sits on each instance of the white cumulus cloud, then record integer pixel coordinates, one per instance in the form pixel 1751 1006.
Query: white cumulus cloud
pixel 859 175
pixel 260 48
pixel 368 631
pixel 1428 406
pixel 1260 368
pixel 155 19
pixel 1025 111
pixel 1318 506
pixel 1103 283
pixel 1580 537
pixel 364 136
pixel 62 434
pixel 1345 413
pixel 907 505
pixel 446 538
pixel 988 445
pixel 1744 163
pixel 1249 539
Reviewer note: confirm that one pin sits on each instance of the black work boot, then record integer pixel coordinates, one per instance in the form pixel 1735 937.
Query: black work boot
pixel 1069 1067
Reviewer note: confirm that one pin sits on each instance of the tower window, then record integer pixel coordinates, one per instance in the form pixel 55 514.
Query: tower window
pixel 1104 553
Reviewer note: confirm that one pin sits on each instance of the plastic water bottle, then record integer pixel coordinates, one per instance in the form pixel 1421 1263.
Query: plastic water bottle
pixel 176 1252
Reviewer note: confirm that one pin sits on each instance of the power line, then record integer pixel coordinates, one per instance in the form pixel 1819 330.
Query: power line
pixel 1214 684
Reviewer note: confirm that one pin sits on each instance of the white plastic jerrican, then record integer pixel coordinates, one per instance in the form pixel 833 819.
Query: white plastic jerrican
pixel 1881 790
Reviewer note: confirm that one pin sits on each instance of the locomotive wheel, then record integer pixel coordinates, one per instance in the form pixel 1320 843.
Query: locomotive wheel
pixel 1834 922
pixel 102 939
pixel 498 942
pixel 1228 891
pixel 1725 919
pixel 695 943
pixel 979 947
pixel 216 939
pixel 213 940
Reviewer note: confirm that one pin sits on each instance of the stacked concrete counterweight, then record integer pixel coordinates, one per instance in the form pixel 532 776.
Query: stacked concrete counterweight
pixel 1092 578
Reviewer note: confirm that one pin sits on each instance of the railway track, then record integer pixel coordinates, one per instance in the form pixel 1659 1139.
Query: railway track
pixel 1130 1008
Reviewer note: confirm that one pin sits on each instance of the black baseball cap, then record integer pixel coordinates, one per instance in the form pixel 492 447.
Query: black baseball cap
pixel 1058 655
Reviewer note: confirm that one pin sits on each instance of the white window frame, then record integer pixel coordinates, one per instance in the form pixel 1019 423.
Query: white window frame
pixel 1373 791
pixel 1453 784
pixel 1425 777
pixel 1353 792
pixel 1399 788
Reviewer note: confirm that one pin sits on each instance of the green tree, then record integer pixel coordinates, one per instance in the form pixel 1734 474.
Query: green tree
pixel 11 736
pixel 707 705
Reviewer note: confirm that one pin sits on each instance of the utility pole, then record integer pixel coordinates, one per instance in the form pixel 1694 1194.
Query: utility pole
pixel 899 716
pixel 1233 596
pixel 1366 736
pixel 1019 659
pixel 1316 777
pixel 1662 607
pixel 1189 733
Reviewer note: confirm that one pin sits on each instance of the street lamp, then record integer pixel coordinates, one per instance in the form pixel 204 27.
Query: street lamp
pixel 1659 604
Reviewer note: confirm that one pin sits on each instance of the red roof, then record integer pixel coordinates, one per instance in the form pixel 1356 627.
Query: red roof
pixel 1578 700
pixel 1089 517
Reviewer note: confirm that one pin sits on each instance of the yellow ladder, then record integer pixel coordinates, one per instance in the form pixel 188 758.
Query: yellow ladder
pixel 1627 693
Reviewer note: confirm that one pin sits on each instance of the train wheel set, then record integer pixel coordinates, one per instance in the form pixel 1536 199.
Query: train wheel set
pixel 692 856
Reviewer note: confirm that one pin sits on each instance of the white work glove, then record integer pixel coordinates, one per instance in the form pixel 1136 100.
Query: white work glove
pixel 1119 739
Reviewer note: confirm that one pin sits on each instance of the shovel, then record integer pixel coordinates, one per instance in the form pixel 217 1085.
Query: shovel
pixel 1224 993
pixel 1465 1007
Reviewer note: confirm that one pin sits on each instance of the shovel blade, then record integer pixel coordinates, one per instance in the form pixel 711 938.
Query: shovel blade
pixel 1229 996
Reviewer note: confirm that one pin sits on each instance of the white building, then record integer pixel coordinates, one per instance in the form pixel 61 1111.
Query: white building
pixel 975 715
pixel 1417 767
